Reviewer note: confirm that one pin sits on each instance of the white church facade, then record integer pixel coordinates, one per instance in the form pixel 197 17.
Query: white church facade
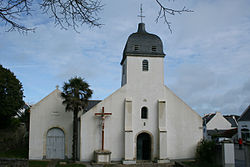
pixel 146 120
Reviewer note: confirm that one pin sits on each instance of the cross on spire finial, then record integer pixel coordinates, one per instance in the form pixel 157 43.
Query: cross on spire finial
pixel 141 16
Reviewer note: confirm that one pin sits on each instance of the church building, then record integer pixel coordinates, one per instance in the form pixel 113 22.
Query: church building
pixel 142 120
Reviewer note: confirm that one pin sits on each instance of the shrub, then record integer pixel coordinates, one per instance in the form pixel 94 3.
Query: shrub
pixel 205 152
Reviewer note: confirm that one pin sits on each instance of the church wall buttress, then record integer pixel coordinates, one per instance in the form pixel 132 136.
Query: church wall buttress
pixel 162 143
pixel 128 130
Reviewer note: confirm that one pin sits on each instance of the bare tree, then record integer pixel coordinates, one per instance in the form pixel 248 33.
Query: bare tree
pixel 72 13
pixel 11 10
pixel 66 13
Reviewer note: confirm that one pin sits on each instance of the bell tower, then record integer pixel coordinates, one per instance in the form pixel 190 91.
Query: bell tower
pixel 142 58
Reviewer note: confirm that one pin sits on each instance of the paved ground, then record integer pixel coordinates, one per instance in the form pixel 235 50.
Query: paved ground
pixel 150 164
pixel 239 156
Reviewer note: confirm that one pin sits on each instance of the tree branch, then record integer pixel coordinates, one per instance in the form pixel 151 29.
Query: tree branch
pixel 67 13
pixel 163 11
pixel 12 10
pixel 72 13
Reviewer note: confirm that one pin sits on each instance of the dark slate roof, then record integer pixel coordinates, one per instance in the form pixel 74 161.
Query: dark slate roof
pixel 91 104
pixel 222 133
pixel 229 118
pixel 144 41
pixel 232 119
pixel 246 115
pixel 207 118
pixel 230 133
pixel 215 132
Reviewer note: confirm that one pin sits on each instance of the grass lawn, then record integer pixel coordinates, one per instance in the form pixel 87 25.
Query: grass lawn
pixel 195 164
pixel 15 153
pixel 70 165
pixel 38 163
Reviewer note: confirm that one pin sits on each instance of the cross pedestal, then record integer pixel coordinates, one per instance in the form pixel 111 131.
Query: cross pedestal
pixel 102 156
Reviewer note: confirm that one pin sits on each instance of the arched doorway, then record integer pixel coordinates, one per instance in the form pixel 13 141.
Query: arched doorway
pixel 143 144
pixel 55 144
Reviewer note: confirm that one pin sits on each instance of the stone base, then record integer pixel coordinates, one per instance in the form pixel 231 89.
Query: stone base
pixel 102 156
pixel 127 162
pixel 162 161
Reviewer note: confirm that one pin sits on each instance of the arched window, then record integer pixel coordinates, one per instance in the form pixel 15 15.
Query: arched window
pixel 144 112
pixel 145 65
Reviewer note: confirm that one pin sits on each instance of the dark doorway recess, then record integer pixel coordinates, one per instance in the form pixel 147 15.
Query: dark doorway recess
pixel 143 146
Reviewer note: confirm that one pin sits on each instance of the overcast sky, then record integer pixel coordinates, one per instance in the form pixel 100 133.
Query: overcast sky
pixel 207 61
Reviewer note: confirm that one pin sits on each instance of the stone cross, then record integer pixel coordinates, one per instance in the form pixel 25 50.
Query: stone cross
pixel 103 116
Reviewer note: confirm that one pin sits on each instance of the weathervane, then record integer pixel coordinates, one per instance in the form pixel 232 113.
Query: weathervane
pixel 141 16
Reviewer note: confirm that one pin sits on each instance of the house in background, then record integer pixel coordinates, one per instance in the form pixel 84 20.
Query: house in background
pixel 233 120
pixel 244 125
pixel 218 125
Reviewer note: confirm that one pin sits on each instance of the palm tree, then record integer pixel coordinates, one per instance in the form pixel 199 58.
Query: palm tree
pixel 75 95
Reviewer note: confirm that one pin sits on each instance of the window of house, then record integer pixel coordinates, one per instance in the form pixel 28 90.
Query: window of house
pixel 145 65
pixel 154 48
pixel 136 47
pixel 144 112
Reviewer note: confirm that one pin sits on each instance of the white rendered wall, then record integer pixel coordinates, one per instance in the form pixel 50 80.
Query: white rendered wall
pixel 46 114
pixel 152 78
pixel 243 125
pixel 144 88
pixel 228 155
pixel 184 128
pixel 114 128
pixel 218 122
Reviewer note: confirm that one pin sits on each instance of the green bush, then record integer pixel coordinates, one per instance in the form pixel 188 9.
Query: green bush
pixel 38 163
pixel 206 152
pixel 14 123
pixel 19 152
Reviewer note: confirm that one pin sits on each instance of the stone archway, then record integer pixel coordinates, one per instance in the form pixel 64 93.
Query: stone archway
pixel 143 146
pixel 55 142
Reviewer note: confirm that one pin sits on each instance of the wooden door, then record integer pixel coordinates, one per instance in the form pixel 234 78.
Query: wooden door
pixel 143 147
pixel 55 144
